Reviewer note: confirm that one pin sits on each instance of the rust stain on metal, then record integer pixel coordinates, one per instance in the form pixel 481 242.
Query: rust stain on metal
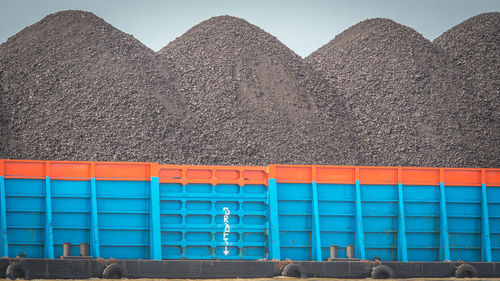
pixel 283 263
pixel 372 263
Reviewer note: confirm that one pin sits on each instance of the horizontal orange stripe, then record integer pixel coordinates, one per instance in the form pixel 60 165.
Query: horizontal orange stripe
pixel 64 170
pixel 384 175
pixel 78 170
pixel 242 175
pixel 24 169
pixel 185 174
pixel 492 177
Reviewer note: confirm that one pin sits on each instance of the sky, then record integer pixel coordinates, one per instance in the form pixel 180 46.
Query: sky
pixel 302 25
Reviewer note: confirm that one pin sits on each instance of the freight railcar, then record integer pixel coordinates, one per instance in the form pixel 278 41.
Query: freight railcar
pixel 62 219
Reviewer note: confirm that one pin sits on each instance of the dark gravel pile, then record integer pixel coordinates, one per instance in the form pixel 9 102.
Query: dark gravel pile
pixel 76 88
pixel 404 93
pixel 253 100
pixel 73 87
pixel 474 46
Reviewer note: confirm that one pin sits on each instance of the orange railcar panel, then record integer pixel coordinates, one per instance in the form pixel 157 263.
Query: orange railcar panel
pixel 470 177
pixel 24 169
pixel 122 171
pixel 198 174
pixel 165 173
pixel 240 175
pixel 255 175
pixel 289 173
pixel 383 175
pixel 227 174
pixel 70 170
pixel 492 177
pixel 373 175
pixel 340 175
pixel 419 176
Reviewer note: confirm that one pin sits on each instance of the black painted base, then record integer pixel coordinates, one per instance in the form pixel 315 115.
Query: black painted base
pixel 92 268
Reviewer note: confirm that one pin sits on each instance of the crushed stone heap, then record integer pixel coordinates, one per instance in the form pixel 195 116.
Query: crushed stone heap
pixel 73 87
pixel 404 95
pixel 252 99
pixel 474 46
pixel 76 88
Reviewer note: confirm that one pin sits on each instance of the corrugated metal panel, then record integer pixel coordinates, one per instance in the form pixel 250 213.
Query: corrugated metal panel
pixel 151 211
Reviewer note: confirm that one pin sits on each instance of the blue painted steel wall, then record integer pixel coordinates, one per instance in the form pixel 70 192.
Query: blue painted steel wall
pixel 123 215
pixel 463 205
pixel 380 211
pixel 25 205
pixel 70 214
pixel 393 222
pixel 493 195
pixel 149 220
pixel 295 220
pixel 192 221
pixel 337 211
pixel 422 222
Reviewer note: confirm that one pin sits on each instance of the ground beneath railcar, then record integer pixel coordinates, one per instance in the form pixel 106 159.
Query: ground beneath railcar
pixel 284 279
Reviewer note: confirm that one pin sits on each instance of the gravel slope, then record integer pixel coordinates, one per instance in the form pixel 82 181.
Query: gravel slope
pixel 72 87
pixel 76 88
pixel 405 95
pixel 253 100
pixel 474 46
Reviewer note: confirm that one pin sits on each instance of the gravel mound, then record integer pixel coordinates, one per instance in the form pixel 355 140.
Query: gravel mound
pixel 474 46
pixel 75 88
pixel 253 100
pixel 72 87
pixel 404 94
pixel 226 92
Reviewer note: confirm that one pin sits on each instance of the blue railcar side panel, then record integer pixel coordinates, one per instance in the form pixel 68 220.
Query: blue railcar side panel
pixel 444 241
pixel 25 216
pixel 485 227
pixel 70 189
pixel 336 217
pixel 95 246
pixel 49 231
pixel 493 194
pixel 123 216
pixel 70 214
pixel 316 234
pixel 380 213
pixel 130 252
pixel 73 236
pixel 25 187
pixel 359 234
pixel 295 220
pixel 422 221
pixel 155 230
pixel 463 207
pixel 193 226
pixel 3 219
pixel 402 245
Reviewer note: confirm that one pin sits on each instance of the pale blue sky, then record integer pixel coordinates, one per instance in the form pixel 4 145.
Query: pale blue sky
pixel 302 25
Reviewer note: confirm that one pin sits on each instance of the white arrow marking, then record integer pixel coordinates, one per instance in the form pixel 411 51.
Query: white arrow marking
pixel 227 229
